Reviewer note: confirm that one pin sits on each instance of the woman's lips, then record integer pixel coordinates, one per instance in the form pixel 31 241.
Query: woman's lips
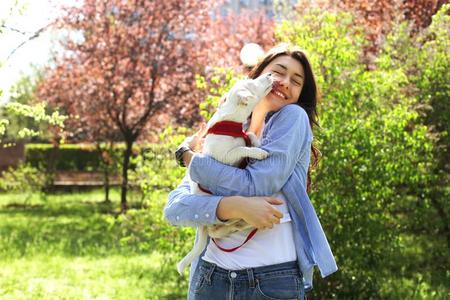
pixel 276 91
pixel 278 94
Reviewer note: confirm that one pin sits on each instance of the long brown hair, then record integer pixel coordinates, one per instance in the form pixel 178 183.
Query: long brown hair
pixel 309 95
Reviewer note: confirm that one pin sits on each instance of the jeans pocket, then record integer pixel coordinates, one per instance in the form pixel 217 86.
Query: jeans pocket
pixel 199 279
pixel 286 287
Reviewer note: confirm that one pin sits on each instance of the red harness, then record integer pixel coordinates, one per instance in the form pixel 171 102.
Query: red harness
pixel 231 128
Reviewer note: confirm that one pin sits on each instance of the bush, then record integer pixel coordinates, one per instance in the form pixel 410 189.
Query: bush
pixel 156 174
pixel 148 229
pixel 66 157
pixel 156 167
pixel 377 154
pixel 24 179
pixel 74 157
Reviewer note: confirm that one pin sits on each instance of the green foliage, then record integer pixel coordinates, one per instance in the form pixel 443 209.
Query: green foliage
pixel 72 157
pixel 66 157
pixel 39 113
pixel 36 113
pixel 425 58
pixel 433 80
pixel 376 155
pixel 218 83
pixel 3 125
pixel 156 167
pixel 150 231
pixel 21 124
pixel 25 179
pixel 332 43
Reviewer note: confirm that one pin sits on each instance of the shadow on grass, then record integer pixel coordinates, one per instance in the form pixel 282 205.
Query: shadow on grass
pixel 70 228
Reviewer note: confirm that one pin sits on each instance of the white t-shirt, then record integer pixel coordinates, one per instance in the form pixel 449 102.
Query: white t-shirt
pixel 267 247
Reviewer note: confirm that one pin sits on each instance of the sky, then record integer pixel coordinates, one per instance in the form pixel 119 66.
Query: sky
pixel 37 14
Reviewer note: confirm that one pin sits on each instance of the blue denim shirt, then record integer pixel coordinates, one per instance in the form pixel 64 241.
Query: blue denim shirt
pixel 287 137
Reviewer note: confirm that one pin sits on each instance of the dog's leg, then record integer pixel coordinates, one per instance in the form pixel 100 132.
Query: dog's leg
pixel 255 141
pixel 238 153
pixel 196 250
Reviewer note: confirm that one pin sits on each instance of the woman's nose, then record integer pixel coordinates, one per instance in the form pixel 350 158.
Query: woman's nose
pixel 284 82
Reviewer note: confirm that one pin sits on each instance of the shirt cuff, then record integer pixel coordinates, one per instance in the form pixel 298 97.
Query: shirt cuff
pixel 213 209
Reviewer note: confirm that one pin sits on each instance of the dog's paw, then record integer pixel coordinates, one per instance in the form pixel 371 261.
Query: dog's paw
pixel 255 141
pixel 258 153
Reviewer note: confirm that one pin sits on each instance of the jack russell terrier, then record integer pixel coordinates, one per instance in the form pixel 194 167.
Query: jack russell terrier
pixel 226 142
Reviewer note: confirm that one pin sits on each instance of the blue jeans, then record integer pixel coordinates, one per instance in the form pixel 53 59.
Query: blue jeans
pixel 274 282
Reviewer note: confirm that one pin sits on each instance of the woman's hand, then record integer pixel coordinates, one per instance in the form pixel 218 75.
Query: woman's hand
pixel 195 142
pixel 256 211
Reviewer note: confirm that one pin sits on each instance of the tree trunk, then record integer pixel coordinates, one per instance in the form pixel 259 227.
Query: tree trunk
pixel 126 163
pixel 106 182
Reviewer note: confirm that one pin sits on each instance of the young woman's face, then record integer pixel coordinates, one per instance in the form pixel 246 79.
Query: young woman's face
pixel 289 77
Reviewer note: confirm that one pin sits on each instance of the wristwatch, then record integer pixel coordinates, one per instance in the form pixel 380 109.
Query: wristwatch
pixel 179 154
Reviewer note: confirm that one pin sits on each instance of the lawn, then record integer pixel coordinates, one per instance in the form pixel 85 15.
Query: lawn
pixel 68 246
pixel 72 246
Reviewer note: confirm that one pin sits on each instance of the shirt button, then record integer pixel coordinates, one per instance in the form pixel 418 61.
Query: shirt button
pixel 233 275
pixel 196 216
pixel 207 215
pixel 178 217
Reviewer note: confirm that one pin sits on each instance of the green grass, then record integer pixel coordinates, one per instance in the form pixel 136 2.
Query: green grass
pixel 68 246
pixel 84 277
pixel 71 246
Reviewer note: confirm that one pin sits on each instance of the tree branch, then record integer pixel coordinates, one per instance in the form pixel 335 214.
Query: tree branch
pixel 32 37
pixel 14 29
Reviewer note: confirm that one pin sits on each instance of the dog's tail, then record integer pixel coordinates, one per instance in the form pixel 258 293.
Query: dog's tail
pixel 196 250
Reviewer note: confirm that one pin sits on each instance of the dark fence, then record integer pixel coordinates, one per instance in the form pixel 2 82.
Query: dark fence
pixel 11 155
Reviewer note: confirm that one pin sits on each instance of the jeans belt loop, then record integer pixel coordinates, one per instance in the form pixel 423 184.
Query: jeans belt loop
pixel 210 272
pixel 251 279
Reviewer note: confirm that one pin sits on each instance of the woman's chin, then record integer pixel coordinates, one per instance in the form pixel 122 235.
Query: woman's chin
pixel 276 102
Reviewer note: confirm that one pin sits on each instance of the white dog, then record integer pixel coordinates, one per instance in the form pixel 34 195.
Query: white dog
pixel 229 149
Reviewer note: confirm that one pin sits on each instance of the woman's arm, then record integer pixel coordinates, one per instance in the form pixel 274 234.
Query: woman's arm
pixel 186 209
pixel 288 136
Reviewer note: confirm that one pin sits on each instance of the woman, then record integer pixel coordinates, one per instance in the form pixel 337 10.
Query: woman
pixel 271 194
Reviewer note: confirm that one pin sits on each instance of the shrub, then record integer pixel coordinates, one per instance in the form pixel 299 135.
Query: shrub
pixel 24 179
pixel 376 154
pixel 66 157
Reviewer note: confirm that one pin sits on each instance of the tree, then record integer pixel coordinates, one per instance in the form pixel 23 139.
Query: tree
pixel 227 35
pixel 133 64
pixel 25 117
pixel 133 61
pixel 377 18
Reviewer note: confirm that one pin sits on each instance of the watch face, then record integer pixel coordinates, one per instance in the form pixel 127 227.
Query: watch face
pixel 181 150
pixel 179 155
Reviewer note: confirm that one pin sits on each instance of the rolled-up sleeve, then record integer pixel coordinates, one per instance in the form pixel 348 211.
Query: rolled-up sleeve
pixel 286 136
pixel 186 209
